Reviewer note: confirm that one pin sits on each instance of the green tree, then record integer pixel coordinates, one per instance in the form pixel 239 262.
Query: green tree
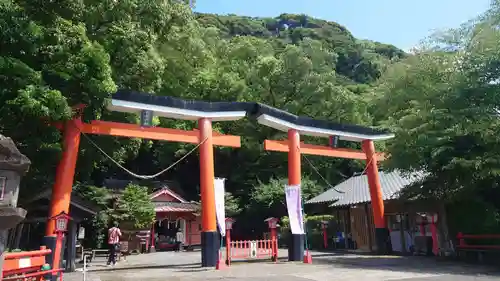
pixel 443 103
pixel 47 65
pixel 232 205
pixel 273 192
pixel 96 227
pixel 134 205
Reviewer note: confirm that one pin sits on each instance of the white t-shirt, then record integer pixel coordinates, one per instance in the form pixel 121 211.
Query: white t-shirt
pixel 179 236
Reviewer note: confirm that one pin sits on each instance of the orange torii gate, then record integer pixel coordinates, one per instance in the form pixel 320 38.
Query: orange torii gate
pixel 294 147
pixel 204 136
pixel 205 113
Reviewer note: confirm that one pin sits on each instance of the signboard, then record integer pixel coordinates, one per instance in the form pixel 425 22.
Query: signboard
pixel 3 182
pixel 81 233
pixel 146 118
pixel 24 263
pixel 253 249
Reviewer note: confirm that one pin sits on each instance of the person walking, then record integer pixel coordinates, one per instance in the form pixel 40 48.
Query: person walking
pixel 114 235
pixel 179 237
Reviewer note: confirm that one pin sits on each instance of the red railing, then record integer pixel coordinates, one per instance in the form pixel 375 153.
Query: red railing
pixel 252 249
pixel 463 245
pixel 34 275
pixel 27 266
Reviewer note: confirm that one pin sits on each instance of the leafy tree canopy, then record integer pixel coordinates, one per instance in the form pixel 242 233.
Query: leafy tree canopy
pixel 273 192
pixel 443 104
pixel 135 206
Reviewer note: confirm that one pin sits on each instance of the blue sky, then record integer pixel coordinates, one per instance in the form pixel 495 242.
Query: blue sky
pixel 402 23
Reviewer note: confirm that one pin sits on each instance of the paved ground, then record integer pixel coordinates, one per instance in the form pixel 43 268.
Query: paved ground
pixel 339 267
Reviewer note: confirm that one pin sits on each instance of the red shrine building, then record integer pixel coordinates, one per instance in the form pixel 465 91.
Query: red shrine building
pixel 174 213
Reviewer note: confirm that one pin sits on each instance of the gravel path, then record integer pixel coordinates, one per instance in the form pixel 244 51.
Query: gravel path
pixel 340 267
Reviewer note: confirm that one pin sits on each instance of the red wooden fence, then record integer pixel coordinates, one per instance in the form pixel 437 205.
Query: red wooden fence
pixel 248 249
pixel 27 266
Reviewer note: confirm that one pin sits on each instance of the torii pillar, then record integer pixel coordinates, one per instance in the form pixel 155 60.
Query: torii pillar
pixel 377 201
pixel 209 234
pixel 63 185
pixel 296 251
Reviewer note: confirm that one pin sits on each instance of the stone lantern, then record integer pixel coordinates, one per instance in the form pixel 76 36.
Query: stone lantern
pixel 13 165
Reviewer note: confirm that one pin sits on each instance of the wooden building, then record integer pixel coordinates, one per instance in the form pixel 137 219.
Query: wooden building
pixel 174 213
pixel 415 226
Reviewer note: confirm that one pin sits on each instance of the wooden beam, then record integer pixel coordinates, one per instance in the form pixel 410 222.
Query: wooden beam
pixel 155 133
pixel 311 149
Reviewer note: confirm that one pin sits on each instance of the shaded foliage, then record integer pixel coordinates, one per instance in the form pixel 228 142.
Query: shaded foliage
pixel 132 208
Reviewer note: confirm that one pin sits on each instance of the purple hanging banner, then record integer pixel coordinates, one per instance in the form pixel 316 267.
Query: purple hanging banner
pixel 294 207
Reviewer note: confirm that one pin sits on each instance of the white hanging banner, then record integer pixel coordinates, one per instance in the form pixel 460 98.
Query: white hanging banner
pixel 294 207
pixel 220 209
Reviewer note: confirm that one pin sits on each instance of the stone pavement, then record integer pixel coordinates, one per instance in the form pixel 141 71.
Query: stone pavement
pixel 326 266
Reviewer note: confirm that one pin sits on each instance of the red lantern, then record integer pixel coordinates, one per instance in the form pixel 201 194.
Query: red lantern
pixel 229 223
pixel 272 222
pixel 61 222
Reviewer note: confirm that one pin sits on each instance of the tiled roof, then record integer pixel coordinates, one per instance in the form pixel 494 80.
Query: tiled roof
pixel 166 190
pixel 176 207
pixel 76 201
pixel 355 190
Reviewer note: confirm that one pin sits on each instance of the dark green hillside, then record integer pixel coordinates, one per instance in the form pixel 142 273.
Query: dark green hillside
pixel 360 60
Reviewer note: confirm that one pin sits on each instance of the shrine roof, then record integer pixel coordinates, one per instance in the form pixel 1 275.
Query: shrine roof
pixel 77 201
pixel 167 207
pixel 355 190
pixel 166 190
pixel 175 108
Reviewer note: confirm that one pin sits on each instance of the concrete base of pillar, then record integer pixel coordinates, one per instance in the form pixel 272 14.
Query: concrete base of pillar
pixel 383 241
pixel 209 248
pixel 296 247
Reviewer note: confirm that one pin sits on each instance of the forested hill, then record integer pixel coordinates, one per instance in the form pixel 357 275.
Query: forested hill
pixel 360 61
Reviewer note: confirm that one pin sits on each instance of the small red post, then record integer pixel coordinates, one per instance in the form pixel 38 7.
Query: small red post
pixel 274 243
pixel 152 249
pixel 272 223
pixel 461 240
pixel 229 226
pixel 228 246
pixel 324 225
pixel 433 220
